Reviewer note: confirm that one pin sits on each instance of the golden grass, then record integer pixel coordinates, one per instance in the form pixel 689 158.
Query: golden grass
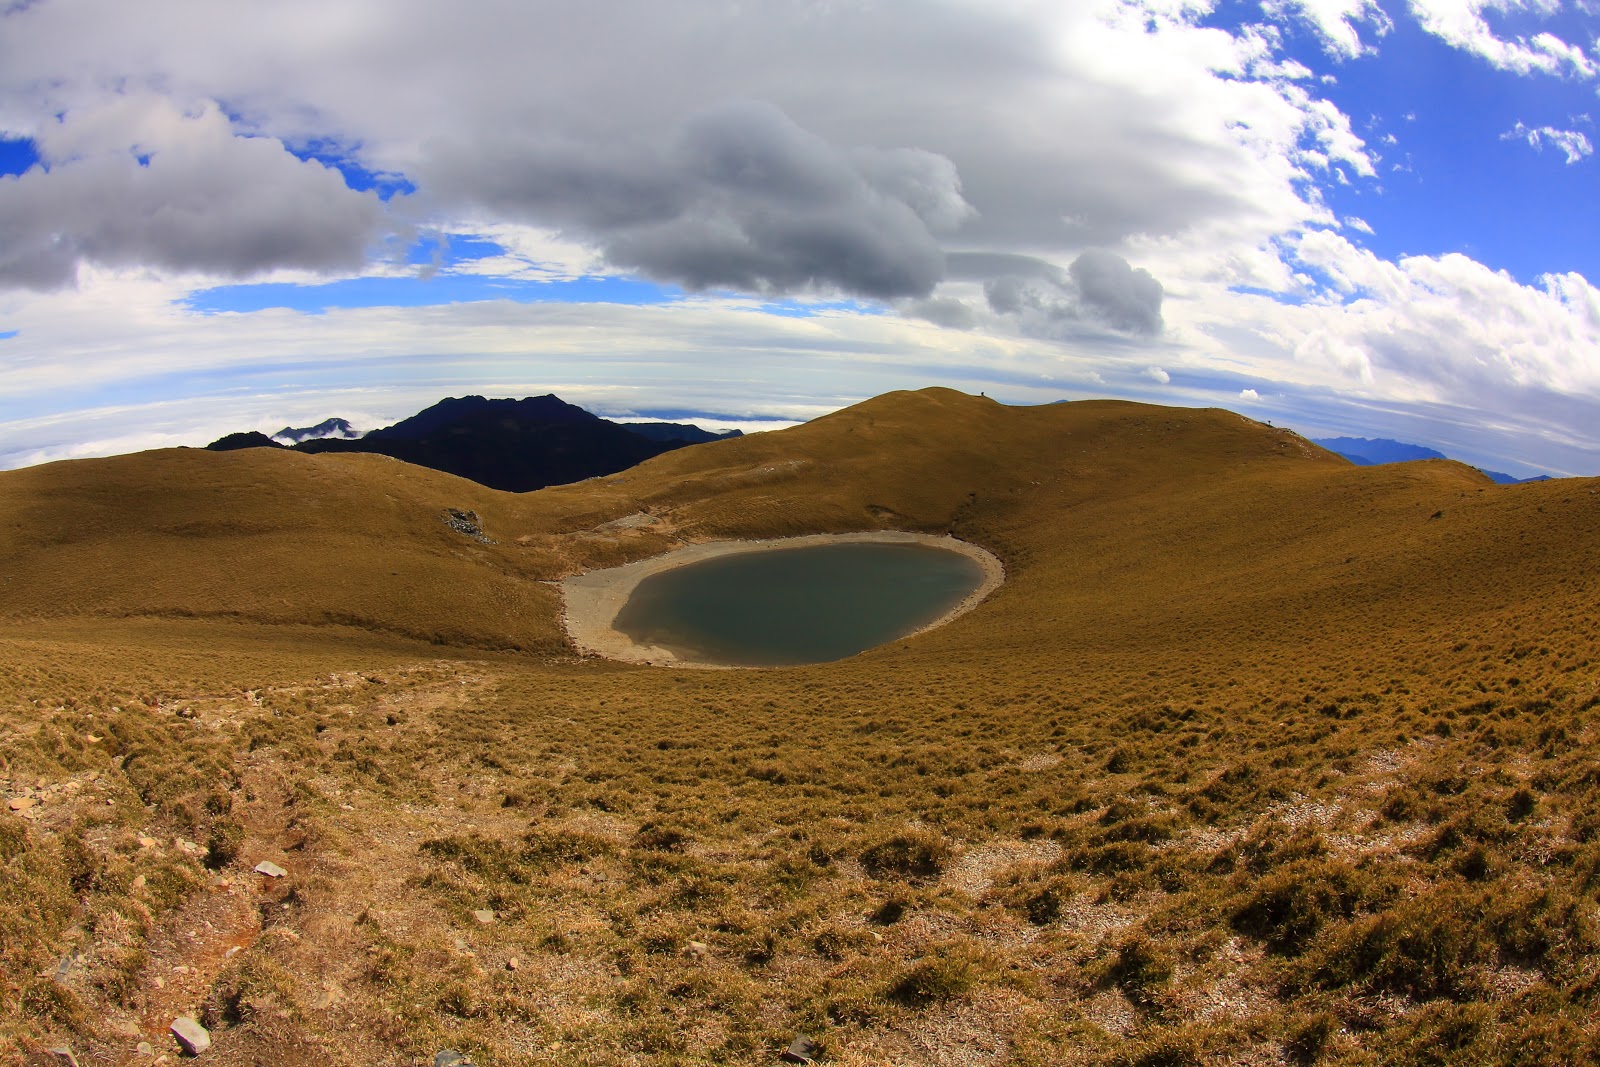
pixel 1257 758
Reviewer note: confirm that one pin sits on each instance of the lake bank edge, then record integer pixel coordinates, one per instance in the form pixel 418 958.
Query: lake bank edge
pixel 592 600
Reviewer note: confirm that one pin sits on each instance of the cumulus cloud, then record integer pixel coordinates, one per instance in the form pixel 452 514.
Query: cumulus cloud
pixel 1443 330
pixel 137 182
pixel 1099 290
pixel 642 131
pixel 1336 22
pixel 739 196
pixel 1461 23
pixel 1157 375
pixel 1249 396
pixel 1571 143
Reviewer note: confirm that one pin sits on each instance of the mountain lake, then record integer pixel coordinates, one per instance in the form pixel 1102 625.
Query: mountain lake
pixel 791 606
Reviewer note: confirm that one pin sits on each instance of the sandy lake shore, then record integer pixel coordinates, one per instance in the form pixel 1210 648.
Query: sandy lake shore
pixel 594 599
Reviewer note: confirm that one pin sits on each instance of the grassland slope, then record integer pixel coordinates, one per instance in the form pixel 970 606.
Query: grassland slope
pixel 1258 757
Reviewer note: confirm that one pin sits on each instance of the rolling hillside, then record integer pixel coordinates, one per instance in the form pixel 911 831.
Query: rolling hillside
pixel 1258 756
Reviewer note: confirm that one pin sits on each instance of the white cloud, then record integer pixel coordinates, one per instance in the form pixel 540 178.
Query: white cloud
pixel 1249 396
pixel 1572 143
pixel 1157 375
pixel 1336 22
pixel 1461 23
pixel 1442 333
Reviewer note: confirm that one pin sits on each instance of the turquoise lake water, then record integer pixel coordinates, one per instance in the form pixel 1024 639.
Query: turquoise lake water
pixel 785 607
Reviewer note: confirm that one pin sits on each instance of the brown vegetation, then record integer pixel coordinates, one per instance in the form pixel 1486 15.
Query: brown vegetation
pixel 1257 757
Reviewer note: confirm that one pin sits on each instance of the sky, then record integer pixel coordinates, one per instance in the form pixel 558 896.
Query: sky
pixel 1369 218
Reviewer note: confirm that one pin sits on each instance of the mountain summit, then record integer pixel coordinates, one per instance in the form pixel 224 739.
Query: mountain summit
pixel 513 445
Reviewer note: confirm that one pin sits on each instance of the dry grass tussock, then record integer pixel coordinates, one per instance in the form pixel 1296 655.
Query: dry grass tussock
pixel 1257 758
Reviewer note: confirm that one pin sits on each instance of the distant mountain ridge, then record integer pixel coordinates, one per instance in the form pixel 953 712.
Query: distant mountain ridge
pixel 512 445
pixel 327 428
pixel 1374 451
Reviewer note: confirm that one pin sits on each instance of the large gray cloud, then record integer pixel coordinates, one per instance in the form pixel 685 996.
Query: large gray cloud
pixel 140 184
pixel 1099 289
pixel 1037 129
pixel 738 196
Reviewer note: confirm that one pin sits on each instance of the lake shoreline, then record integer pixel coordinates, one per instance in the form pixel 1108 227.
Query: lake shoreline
pixel 594 599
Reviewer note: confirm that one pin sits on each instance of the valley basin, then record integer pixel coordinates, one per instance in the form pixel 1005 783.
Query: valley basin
pixel 930 579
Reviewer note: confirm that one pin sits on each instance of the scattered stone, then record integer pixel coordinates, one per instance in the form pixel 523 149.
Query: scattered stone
pixel 803 1049
pixel 125 1027
pixel 21 803
pixel 148 842
pixel 139 881
pixel 484 915
pixel 144 1048
pixel 513 964
pixel 93 739
pixel 64 967
pixel 194 1038
pixel 468 523
pixel 450 1058
pixel 270 869
pixel 63 1054
pixel 697 949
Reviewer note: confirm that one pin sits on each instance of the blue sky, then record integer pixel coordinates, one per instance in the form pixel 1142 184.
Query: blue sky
pixel 1351 217
pixel 1452 181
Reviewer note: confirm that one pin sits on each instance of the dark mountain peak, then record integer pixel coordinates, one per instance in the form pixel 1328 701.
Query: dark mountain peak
pixel 454 413
pixel 235 441
pixel 514 445
pixel 334 428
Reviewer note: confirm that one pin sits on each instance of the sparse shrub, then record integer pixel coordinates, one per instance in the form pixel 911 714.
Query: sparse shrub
pixel 223 842
pixel 543 847
pixel 1309 1038
pixel 889 912
pixel 1290 906
pixel 659 837
pixel 1521 805
pixel 1140 969
pixel 494 861
pixel 1425 949
pixel 949 973
pixel 909 854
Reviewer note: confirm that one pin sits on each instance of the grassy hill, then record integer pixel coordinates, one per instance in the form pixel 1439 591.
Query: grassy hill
pixel 1258 757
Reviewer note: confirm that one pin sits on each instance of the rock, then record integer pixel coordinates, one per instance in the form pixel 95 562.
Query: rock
pixel 21 803
pixel 803 1049
pixel 148 842
pixel 484 915
pixel 513 964
pixel 144 1048
pixel 697 949
pixel 139 881
pixel 194 1038
pixel 270 869
pixel 63 1054
pixel 450 1058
